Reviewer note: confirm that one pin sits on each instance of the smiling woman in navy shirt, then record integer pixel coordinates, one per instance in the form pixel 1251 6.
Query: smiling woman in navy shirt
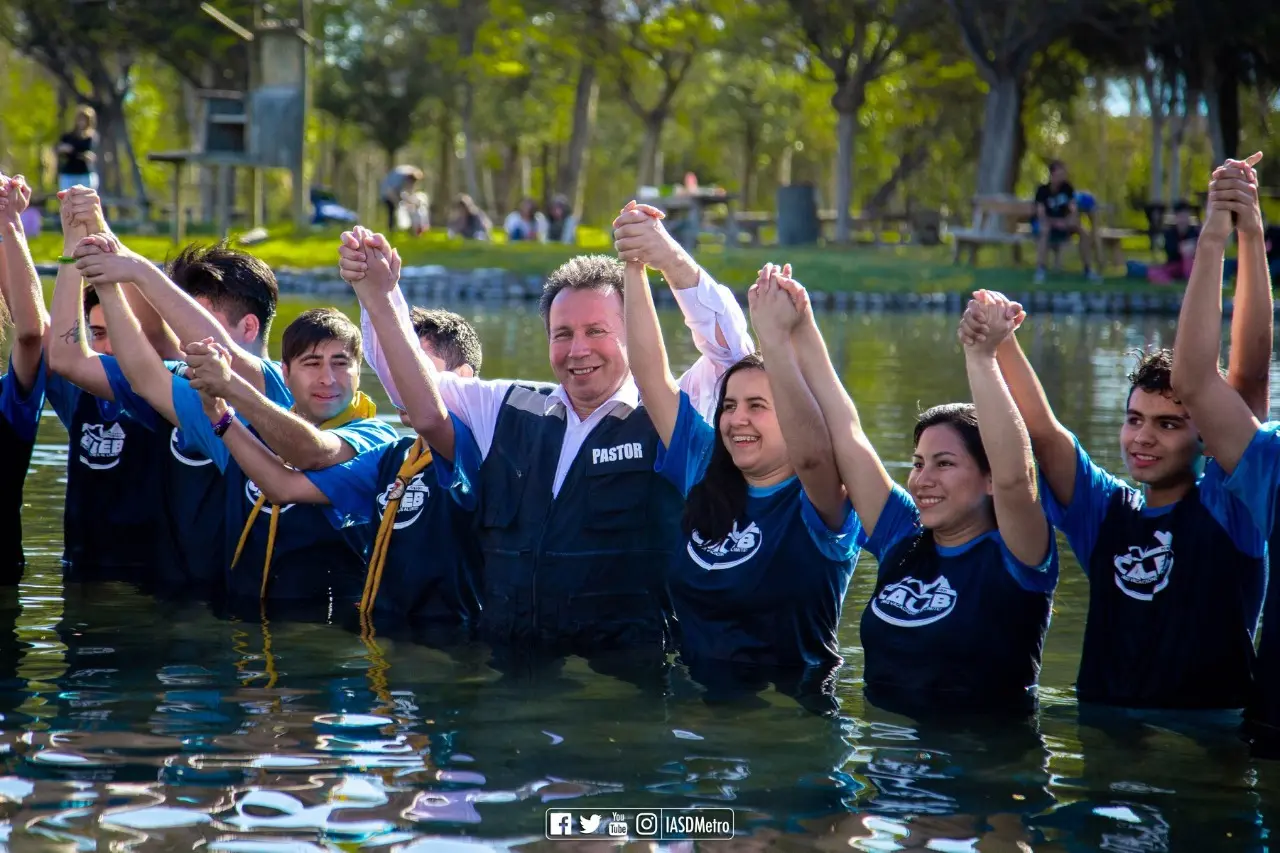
pixel 770 538
pixel 967 558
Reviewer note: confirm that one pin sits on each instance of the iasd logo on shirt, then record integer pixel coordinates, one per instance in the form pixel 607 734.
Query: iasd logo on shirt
pixel 413 498
pixel 101 446
pixel 1143 572
pixel 734 550
pixel 910 603
pixel 253 493
pixel 193 461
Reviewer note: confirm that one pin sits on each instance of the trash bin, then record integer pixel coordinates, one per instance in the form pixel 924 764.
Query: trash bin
pixel 797 215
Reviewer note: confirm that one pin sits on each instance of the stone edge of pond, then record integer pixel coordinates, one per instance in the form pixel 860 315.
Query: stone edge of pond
pixel 438 284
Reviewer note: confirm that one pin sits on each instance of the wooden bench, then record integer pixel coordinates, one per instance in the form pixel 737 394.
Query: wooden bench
pixel 995 223
pixel 1110 244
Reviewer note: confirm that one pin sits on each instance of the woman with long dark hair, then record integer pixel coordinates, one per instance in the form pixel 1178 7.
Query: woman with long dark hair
pixel 770 539
pixel 967 558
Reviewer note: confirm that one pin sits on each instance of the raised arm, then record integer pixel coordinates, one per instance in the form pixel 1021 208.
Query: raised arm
pixel 280 483
pixel 138 360
pixel 68 353
pixel 408 364
pixel 1252 321
pixel 299 443
pixel 776 316
pixel 1054 446
pixel 861 471
pixel 648 354
pixel 1021 519
pixel 21 283
pixel 1223 418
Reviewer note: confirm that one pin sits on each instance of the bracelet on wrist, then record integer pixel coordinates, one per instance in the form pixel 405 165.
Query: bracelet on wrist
pixel 224 423
pixel 66 259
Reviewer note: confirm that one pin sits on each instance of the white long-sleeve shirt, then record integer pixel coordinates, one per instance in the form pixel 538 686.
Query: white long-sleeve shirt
pixel 477 402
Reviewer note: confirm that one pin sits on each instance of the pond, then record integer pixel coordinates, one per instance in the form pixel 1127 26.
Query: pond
pixel 133 723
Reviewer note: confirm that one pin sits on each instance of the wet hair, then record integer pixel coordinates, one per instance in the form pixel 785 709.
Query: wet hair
pixel 585 272
pixel 963 418
pixel 720 498
pixel 90 299
pixel 234 282
pixel 315 327
pixel 452 338
pixel 1153 373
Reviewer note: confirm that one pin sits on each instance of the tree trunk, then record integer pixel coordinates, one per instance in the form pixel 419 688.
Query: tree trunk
pixel 506 180
pixel 846 130
pixel 1229 107
pixel 648 176
pixel 1213 107
pixel 469 173
pixel 569 182
pixel 750 142
pixel 1153 88
pixel 1177 132
pixel 784 165
pixel 996 157
pixel 444 180
pixel 135 168
pixel 907 165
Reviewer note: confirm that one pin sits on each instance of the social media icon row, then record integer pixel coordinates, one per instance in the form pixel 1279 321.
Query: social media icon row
pixel 567 824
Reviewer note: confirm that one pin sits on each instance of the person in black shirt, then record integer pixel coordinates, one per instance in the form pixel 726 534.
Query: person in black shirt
pixel 76 158
pixel 1179 246
pixel 1059 219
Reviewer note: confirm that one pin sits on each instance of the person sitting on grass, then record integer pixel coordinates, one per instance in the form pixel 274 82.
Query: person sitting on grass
pixel 1058 220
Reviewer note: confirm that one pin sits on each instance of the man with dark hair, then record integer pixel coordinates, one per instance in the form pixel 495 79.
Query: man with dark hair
pixel 283 553
pixel 1160 633
pixel 448 339
pixel 239 290
pixel 1058 220
pixel 575 525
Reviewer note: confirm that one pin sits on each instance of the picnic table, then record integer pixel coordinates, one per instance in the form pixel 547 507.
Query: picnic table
pixel 1005 220
pixel 694 204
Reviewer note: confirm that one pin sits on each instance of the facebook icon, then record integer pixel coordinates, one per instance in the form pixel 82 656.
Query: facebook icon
pixel 559 823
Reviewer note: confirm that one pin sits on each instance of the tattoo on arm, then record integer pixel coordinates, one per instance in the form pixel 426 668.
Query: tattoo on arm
pixel 72 335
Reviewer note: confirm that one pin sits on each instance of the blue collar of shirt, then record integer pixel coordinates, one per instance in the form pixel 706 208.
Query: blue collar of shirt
pixel 769 491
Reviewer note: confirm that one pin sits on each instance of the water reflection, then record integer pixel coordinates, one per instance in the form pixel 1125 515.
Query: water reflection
pixel 135 722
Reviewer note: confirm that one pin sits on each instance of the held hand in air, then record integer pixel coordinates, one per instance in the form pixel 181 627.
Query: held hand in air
pixel 208 367
pixel 799 296
pixel 102 259
pixel 383 262
pixel 352 261
pixel 15 197
pixel 989 319
pixel 81 215
pixel 1235 192
pixel 640 237
pixel 773 311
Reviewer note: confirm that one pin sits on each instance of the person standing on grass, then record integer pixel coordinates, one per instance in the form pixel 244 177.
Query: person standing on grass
pixel 77 160
pixel 574 523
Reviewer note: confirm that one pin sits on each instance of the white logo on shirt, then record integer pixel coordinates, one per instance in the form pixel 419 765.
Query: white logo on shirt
pixel 413 497
pixel 630 450
pixel 734 550
pixel 185 460
pixel 252 492
pixel 100 447
pixel 910 603
pixel 1143 572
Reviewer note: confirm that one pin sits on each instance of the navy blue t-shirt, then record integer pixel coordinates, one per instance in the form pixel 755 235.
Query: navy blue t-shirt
pixel 19 419
pixel 771 592
pixel 1163 632
pixel 191 544
pixel 962 624
pixel 432 569
pixel 114 462
pixel 311 561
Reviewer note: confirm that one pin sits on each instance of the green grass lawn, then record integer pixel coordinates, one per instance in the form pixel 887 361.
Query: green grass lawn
pixel 861 267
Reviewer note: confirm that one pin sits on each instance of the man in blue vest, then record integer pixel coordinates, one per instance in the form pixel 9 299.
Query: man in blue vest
pixel 575 525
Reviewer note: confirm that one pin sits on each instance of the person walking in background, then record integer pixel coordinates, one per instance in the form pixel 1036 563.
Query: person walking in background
pixel 396 186
pixel 76 157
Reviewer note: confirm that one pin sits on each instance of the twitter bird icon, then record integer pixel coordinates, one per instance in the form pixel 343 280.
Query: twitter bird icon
pixel 589 824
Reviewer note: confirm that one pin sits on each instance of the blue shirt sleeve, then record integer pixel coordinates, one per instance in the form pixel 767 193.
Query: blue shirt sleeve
pixel 1229 511
pixel 127 400
pixel 22 411
pixel 899 519
pixel 1041 578
pixel 839 545
pixel 459 477
pixel 273 385
pixel 685 462
pixel 1081 520
pixel 193 423
pixel 351 487
pixel 366 434
pixel 1256 479
pixel 64 396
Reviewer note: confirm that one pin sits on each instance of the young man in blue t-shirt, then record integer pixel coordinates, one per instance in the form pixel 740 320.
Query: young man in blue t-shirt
pixel 22 388
pixel 1161 633
pixel 284 553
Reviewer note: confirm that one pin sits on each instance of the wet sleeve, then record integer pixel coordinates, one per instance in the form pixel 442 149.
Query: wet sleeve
pixel 22 411
pixel 273 385
pixel 367 434
pixel 898 520
pixel 1040 578
pixel 127 400
pixel 195 431
pixel 1082 519
pixel 685 462
pixel 351 487
pixel 64 396
pixel 459 478
pixel 839 545
pixel 1252 487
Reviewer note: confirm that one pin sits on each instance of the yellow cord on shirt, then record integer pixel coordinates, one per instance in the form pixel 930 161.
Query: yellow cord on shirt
pixel 361 407
pixel 418 458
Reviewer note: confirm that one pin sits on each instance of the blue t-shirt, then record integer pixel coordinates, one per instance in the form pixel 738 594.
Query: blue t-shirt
pixel 191 549
pixel 311 560
pixel 432 568
pixel 19 418
pixel 1174 591
pixel 963 623
pixel 770 593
